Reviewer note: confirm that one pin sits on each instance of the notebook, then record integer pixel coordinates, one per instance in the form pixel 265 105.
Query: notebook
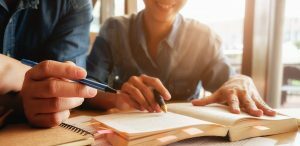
pixel 185 121
pixel 24 135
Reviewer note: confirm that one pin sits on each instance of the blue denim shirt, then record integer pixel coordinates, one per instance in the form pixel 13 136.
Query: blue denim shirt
pixel 190 56
pixel 48 29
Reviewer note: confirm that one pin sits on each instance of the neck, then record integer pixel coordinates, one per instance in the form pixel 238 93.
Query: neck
pixel 156 30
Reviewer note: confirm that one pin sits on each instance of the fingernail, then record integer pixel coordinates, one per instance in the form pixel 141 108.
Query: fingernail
pixel 271 111
pixel 80 73
pixel 91 91
pixel 142 108
pixel 260 113
pixel 150 110
pixel 168 95
pixel 236 109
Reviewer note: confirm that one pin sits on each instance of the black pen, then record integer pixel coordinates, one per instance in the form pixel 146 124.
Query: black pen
pixel 160 100
pixel 87 82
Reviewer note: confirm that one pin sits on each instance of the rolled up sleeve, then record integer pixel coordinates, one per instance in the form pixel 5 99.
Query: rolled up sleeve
pixel 99 62
pixel 218 70
pixel 70 39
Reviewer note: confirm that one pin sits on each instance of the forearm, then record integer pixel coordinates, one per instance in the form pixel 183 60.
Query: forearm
pixel 103 100
pixel 70 38
pixel 216 75
pixel 12 74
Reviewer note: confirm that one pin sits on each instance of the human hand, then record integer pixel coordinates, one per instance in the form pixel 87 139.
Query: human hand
pixel 12 74
pixel 48 93
pixel 139 90
pixel 238 92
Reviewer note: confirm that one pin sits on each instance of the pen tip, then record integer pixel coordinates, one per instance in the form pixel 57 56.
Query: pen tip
pixel 164 108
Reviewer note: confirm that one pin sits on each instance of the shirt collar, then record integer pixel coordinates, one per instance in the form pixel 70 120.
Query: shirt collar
pixel 29 4
pixel 23 4
pixel 3 4
pixel 140 32
pixel 141 37
pixel 170 39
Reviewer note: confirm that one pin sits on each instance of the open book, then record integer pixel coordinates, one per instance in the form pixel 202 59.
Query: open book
pixel 291 112
pixel 186 121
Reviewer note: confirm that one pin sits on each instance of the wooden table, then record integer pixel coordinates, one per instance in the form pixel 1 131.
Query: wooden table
pixel 287 139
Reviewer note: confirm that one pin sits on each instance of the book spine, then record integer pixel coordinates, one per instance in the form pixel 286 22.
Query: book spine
pixel 75 129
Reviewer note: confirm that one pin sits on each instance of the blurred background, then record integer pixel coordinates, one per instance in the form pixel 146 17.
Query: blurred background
pixel 261 39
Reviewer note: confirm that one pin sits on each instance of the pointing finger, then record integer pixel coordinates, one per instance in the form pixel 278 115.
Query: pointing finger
pixel 47 69
pixel 204 101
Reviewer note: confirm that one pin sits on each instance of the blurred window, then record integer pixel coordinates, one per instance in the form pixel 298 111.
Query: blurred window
pixel 291 55
pixel 118 9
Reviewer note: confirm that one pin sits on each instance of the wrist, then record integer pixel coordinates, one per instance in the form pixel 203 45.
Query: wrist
pixel 119 102
pixel 18 70
pixel 102 100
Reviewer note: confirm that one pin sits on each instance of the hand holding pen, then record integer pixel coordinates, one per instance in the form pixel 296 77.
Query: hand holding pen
pixel 145 92
pixel 48 94
pixel 91 83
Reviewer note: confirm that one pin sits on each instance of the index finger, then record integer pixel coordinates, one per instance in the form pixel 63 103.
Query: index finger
pixel 59 88
pixel 49 68
pixel 262 105
pixel 204 101
pixel 156 84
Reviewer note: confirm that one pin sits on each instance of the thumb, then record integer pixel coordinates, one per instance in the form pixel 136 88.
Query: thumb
pixel 204 101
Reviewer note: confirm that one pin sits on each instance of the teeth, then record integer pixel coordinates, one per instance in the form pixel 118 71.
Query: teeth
pixel 165 6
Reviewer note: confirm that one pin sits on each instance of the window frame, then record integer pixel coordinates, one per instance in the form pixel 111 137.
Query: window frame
pixel 263 34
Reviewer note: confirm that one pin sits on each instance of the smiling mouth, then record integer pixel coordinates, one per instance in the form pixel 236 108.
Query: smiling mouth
pixel 165 6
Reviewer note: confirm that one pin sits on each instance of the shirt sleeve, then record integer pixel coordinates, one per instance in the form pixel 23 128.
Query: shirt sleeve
pixel 99 62
pixel 69 40
pixel 218 70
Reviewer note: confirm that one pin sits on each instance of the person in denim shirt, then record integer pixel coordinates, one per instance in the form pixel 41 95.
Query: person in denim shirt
pixel 44 30
pixel 160 49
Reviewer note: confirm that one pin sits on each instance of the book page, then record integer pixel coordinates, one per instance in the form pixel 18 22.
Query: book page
pixel 292 112
pixel 215 113
pixel 137 122
pixel 219 141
